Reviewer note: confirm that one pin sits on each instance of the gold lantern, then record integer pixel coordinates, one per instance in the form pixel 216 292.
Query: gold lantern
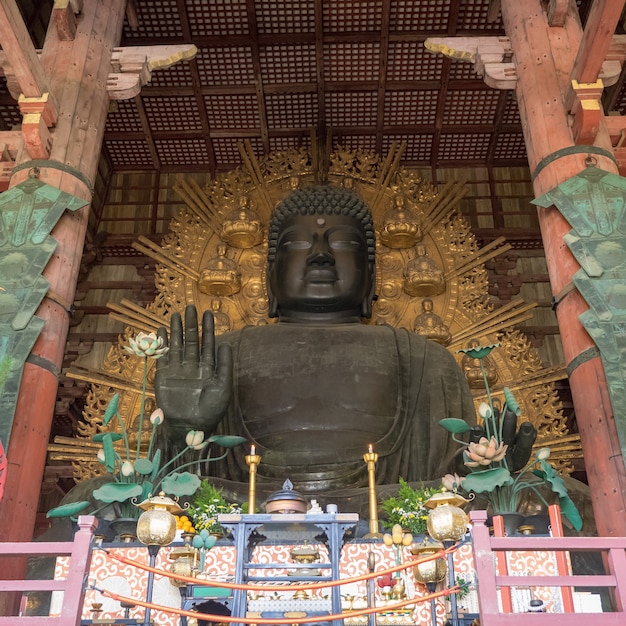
pixel 446 521
pixel 156 526
pixel 429 572
pixel 183 560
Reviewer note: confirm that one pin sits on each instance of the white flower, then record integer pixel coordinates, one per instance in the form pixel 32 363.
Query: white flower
pixel 157 417
pixel 127 469
pixel 100 455
pixel 543 454
pixel 195 439
pixel 484 410
pixel 146 344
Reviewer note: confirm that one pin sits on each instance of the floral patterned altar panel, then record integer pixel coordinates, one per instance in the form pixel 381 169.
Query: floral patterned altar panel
pixel 127 580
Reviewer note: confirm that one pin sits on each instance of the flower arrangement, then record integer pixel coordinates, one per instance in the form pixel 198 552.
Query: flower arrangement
pixel 136 477
pixel 407 508
pixel 492 470
pixel 206 505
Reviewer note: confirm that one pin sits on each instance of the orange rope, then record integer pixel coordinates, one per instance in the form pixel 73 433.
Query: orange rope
pixel 264 587
pixel 277 620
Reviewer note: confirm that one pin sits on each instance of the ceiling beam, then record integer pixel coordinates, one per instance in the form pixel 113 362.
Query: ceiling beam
pixel 597 38
pixel 20 51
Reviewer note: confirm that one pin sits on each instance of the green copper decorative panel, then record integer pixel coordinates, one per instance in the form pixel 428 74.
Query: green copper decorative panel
pixel 594 203
pixel 28 213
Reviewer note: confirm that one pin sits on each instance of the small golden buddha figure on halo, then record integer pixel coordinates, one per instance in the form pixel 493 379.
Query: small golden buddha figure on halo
pixel 242 226
pixel 473 372
pixel 401 229
pixel 422 276
pixel 430 325
pixel 221 276
pixel 221 320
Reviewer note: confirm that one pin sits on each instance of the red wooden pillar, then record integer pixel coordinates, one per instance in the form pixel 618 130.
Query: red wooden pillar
pixel 544 58
pixel 77 72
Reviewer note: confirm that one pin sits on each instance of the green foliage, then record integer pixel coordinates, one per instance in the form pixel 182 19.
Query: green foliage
pixel 206 505
pixel 407 508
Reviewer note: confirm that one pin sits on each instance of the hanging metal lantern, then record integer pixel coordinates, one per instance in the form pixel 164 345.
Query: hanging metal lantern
pixel 433 571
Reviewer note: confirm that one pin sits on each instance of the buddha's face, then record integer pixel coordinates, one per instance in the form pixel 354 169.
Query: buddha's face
pixel 321 266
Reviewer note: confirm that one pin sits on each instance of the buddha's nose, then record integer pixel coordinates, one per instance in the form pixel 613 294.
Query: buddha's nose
pixel 320 254
pixel 321 258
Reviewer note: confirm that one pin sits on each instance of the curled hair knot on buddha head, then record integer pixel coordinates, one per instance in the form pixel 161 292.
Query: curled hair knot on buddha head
pixel 321 200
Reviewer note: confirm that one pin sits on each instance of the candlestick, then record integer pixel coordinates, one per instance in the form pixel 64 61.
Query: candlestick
pixel 252 460
pixel 371 458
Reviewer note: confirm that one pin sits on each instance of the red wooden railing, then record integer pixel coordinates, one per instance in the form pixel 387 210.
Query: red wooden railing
pixel 489 550
pixel 79 552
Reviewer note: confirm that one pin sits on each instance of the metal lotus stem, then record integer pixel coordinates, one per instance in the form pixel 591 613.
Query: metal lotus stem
pixel 252 460
pixel 371 458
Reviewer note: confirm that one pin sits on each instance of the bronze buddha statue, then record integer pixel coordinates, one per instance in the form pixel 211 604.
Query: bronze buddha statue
pixel 313 390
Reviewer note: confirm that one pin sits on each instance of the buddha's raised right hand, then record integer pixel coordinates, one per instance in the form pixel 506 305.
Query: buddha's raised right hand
pixel 193 383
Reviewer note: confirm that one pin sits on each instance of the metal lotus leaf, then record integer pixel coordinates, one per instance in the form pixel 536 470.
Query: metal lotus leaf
pixel 143 466
pixel 511 402
pixel 455 425
pixel 487 480
pixel 99 437
pixel 181 484
pixel 227 441
pixel 111 409
pixel 117 492
pixel 69 509
pixel 568 508
pixel 479 352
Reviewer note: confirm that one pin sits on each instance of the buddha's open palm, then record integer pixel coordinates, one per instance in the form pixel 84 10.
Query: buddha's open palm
pixel 193 383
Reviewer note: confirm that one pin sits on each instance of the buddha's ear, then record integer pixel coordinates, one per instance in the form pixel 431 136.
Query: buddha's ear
pixel 272 305
pixel 366 305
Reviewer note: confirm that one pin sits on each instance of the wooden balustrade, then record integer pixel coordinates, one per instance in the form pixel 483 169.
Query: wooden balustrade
pixel 491 582
pixel 79 552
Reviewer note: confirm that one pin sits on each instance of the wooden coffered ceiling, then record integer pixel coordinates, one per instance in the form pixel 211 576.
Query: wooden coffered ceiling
pixel 273 71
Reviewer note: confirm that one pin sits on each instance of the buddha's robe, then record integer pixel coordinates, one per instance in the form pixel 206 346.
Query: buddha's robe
pixel 313 398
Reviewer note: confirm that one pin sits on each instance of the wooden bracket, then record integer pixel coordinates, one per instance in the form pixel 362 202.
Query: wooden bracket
pixel 492 57
pixel 64 19
pixel 132 67
pixel 44 105
pixel 587 111
pixel 37 139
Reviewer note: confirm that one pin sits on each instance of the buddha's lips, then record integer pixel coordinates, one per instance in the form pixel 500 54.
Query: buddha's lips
pixel 320 275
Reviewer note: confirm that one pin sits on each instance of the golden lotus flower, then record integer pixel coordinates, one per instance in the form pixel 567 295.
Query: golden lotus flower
pixel 146 344
pixel 484 452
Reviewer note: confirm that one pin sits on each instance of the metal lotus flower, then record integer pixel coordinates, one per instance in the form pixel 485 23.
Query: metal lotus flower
pixel 146 345
pixel 484 452
pixel 494 472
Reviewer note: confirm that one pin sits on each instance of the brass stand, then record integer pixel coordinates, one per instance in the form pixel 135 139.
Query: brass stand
pixel 252 460
pixel 370 458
